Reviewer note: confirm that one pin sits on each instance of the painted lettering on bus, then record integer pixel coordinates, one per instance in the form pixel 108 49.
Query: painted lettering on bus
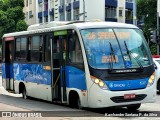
pixel 107 35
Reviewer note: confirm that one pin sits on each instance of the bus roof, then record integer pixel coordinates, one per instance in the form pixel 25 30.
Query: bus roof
pixel 103 24
pixel 38 28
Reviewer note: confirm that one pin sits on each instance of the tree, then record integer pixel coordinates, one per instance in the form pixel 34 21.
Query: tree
pixel 21 25
pixel 147 9
pixel 11 16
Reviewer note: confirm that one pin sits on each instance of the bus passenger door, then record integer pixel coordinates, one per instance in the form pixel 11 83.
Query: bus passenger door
pixel 8 81
pixel 59 63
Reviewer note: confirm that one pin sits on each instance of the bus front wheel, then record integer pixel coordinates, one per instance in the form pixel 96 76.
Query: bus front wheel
pixel 74 100
pixel 79 106
pixel 24 94
pixel 134 107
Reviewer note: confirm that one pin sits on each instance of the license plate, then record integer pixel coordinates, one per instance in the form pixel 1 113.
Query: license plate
pixel 129 96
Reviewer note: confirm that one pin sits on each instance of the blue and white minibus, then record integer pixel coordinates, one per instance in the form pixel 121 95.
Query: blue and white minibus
pixel 82 64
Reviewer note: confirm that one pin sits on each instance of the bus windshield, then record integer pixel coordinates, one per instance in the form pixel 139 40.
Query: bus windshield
pixel 116 48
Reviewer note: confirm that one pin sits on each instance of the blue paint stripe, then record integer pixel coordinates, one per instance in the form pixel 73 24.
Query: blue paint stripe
pixel 75 78
pixel 127 84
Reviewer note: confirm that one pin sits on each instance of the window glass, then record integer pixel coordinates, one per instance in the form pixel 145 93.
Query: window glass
pixel 116 48
pixel 21 49
pixel 75 53
pixel 69 15
pixel 76 14
pixel 47 49
pixel 35 44
pixel 17 54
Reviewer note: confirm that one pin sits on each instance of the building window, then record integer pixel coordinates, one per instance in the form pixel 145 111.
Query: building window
pixel 46 6
pixel 51 17
pixel 40 7
pixel 26 16
pixel 129 14
pixel 40 20
pixel 51 3
pixel 68 1
pixel 69 15
pixel 30 1
pixel 131 1
pixel 27 3
pixel 30 14
pixel 46 19
pixel 76 14
pixel 61 2
pixel 62 17
pixel 110 12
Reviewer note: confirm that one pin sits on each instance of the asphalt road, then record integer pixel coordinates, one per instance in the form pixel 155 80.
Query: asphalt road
pixel 14 102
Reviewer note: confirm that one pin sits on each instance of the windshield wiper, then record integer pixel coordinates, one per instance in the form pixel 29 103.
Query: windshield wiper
pixel 129 53
pixel 112 57
pixel 119 47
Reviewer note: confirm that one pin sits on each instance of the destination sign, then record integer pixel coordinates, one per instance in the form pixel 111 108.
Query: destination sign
pixel 107 35
pixel 111 58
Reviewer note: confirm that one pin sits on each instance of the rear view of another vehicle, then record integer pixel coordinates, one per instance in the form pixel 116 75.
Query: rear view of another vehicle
pixel 156 60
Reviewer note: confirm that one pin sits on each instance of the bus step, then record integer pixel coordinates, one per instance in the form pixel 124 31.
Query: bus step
pixel 11 91
pixel 56 99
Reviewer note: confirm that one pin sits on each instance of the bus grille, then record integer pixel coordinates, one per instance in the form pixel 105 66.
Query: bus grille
pixel 121 99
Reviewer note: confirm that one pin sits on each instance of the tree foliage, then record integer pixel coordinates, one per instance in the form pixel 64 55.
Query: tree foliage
pixel 147 12
pixel 11 16
pixel 21 25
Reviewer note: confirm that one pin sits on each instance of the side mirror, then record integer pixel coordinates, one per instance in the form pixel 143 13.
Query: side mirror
pixel 155 66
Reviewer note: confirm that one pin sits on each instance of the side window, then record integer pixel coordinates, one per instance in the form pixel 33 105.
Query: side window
pixel 75 52
pixel 35 45
pixel 21 48
pixel 47 48
pixel 18 48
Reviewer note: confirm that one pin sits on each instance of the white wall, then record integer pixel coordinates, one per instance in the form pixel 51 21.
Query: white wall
pixel 158 7
pixel 95 9
pixel 121 6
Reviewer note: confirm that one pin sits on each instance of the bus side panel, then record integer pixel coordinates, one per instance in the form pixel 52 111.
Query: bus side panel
pixel 76 80
pixel 37 79
pixel 4 75
pixel 7 76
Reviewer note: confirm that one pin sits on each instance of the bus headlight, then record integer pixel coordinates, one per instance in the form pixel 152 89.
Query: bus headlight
pixel 151 80
pixel 99 82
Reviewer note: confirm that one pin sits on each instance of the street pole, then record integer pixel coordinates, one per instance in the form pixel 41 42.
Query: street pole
pixel 158 15
pixel 157 31
pixel 83 10
pixel 134 13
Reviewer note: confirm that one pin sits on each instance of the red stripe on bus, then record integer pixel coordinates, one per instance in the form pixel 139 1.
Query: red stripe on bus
pixel 9 38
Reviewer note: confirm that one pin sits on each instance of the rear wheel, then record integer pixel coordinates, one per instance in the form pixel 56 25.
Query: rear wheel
pixel 24 94
pixel 134 107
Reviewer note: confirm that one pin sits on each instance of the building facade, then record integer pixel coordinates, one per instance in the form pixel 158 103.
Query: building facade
pixel 30 10
pixel 69 10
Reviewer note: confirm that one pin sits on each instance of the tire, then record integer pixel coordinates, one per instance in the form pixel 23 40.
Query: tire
pixel 78 103
pixel 24 93
pixel 74 101
pixel 134 107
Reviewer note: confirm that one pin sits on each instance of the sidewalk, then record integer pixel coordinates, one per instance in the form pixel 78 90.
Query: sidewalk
pixel 4 92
